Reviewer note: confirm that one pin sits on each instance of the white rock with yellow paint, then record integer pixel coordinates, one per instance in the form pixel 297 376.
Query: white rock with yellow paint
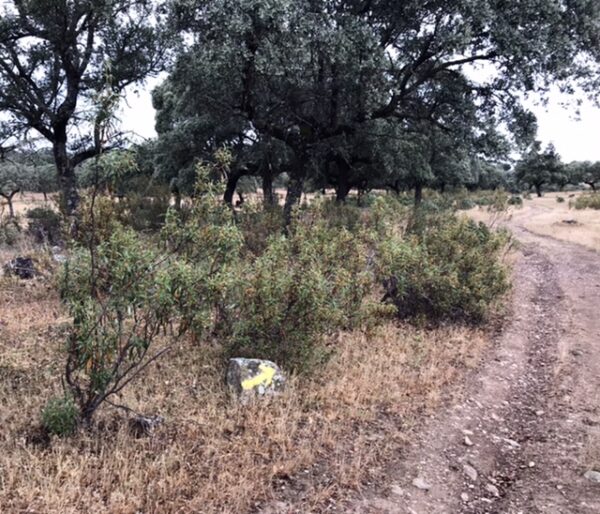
pixel 254 378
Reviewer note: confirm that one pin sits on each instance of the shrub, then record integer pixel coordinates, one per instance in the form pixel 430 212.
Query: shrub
pixel 587 201
pixel 516 201
pixel 448 269
pixel 464 204
pixel 60 416
pixel 144 207
pixel 560 199
pixel 257 225
pixel 45 225
pixel 301 288
pixel 118 298
pixel 10 231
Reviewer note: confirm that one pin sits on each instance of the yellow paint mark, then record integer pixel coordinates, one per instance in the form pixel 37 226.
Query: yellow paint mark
pixel 264 378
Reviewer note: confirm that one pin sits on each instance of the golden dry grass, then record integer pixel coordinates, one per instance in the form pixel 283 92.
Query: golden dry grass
pixel 323 436
pixel 545 216
pixel 25 201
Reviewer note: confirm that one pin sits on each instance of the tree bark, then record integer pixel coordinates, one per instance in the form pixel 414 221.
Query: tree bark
pixel 294 193
pixel 232 182
pixel 418 194
pixel 342 191
pixel 9 200
pixel 538 190
pixel 267 188
pixel 66 172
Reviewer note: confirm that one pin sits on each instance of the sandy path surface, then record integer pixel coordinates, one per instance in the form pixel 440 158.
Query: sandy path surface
pixel 527 428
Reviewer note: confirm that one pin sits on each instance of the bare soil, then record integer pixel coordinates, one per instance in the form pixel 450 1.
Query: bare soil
pixel 528 422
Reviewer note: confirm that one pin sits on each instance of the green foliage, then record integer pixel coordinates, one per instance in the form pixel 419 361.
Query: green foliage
pixel 146 211
pixel 60 416
pixel 516 201
pixel 560 199
pixel 538 168
pixel 117 294
pixel 587 201
pixel 302 288
pixel 257 225
pixel 10 231
pixel 449 269
pixel 209 245
pixel 45 225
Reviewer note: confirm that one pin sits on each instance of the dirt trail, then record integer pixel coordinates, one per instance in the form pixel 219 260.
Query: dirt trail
pixel 524 424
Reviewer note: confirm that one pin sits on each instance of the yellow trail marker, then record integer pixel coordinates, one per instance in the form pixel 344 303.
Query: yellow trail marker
pixel 264 378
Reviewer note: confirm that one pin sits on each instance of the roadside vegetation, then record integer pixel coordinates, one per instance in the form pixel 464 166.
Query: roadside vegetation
pixel 304 201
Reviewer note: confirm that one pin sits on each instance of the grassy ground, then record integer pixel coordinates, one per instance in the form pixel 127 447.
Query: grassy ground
pixel 323 436
pixel 547 217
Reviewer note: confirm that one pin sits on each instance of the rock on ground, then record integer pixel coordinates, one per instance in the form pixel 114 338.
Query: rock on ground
pixel 254 378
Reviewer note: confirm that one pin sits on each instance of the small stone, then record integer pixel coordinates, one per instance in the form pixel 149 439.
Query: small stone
pixel 490 488
pixel 420 483
pixel 539 413
pixel 397 490
pixel 594 476
pixel 254 378
pixel 468 432
pixel 471 472
pixel 532 464
pixel 145 425
pixel 468 441
pixel 22 267
pixel 464 497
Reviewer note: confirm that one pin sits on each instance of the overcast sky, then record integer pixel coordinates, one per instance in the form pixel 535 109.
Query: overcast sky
pixel 576 138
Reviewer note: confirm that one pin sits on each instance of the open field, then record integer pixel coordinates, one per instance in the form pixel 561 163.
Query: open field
pixel 324 437
pixel 546 217
pixel 379 414
pixel 330 434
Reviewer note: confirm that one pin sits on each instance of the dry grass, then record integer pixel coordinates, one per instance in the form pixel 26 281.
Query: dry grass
pixel 545 216
pixel 325 435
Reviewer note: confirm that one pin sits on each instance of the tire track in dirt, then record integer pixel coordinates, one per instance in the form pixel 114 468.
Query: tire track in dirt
pixel 515 443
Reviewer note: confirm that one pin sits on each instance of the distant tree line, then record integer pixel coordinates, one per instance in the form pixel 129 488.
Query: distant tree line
pixel 353 94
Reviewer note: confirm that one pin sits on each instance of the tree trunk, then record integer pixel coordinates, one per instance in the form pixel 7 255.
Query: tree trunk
pixel 418 194
pixel 538 190
pixel 232 182
pixel 267 187
pixel 342 191
pixel 294 193
pixel 9 201
pixel 66 172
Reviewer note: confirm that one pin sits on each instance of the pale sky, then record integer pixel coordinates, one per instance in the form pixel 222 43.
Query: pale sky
pixel 575 138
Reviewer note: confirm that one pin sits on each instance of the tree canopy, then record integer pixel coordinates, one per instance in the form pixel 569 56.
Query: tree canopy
pixel 56 56
pixel 325 79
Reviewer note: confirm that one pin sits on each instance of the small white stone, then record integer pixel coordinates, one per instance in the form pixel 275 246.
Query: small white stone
pixel 490 488
pixel 471 472
pixel 594 476
pixel 420 483
pixel 468 441
pixel 464 497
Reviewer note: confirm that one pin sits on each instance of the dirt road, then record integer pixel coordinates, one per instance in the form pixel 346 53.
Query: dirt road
pixel 528 426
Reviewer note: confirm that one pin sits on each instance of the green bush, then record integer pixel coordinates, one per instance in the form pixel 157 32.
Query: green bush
pixel 587 201
pixel 257 225
pixel 560 199
pixel 516 201
pixel 449 269
pixel 464 204
pixel 45 225
pixel 145 211
pixel 60 416
pixel 302 288
pixel 10 231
